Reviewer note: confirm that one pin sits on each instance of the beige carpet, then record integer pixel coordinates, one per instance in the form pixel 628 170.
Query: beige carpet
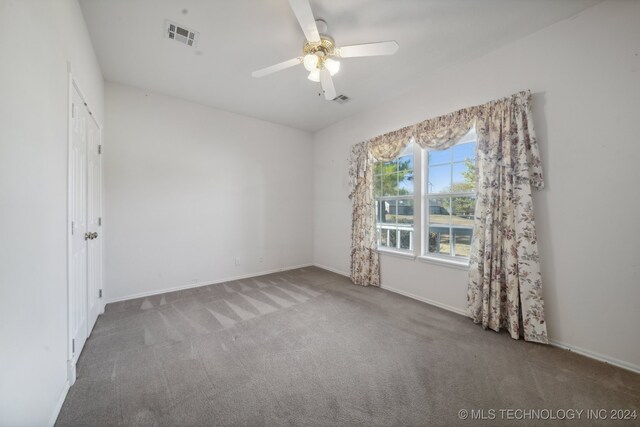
pixel 306 347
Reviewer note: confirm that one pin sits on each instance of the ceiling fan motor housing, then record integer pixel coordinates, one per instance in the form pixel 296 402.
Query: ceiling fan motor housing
pixel 324 49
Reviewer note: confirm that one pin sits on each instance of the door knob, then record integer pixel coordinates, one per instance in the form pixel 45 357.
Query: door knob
pixel 87 236
pixel 95 235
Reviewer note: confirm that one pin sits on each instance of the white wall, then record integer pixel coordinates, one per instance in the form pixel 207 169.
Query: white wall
pixel 190 188
pixel 37 38
pixel 585 76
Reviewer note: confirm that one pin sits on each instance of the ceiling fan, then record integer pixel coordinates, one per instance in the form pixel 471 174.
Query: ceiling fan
pixel 320 54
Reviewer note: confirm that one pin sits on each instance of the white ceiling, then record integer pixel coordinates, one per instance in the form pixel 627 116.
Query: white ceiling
pixel 240 36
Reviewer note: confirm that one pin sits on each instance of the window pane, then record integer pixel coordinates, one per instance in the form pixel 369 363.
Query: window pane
pixel 405 186
pixel 439 179
pixel 393 238
pixel 405 211
pixel 384 239
pixel 465 151
pixel 391 166
pixel 388 209
pixel 405 239
pixel 438 157
pixel 439 240
pixel 408 150
pixel 461 242
pixel 405 163
pixel 464 177
pixel 378 167
pixel 390 184
pixel 377 181
pixel 463 209
pixel 439 210
pixel 450 218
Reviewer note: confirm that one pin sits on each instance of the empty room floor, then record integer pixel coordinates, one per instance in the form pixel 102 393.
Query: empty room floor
pixel 307 347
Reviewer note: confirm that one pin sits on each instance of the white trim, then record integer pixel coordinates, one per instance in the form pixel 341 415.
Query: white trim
pixel 207 283
pixel 333 270
pixel 58 407
pixel 555 343
pixel 396 253
pixel 70 377
pixel 596 356
pixel 425 300
pixel 446 262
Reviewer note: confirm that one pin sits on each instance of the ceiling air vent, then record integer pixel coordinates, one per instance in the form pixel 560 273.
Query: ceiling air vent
pixel 180 33
pixel 341 99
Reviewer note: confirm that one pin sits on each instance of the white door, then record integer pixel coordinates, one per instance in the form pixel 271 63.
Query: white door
pixel 94 221
pixel 78 321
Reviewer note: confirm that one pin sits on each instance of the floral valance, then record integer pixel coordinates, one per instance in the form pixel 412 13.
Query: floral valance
pixel 442 132
pixel 386 147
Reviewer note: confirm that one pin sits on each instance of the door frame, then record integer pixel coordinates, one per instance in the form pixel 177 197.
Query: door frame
pixel 73 85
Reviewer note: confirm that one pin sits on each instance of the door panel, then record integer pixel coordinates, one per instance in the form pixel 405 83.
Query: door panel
pixel 94 195
pixel 78 208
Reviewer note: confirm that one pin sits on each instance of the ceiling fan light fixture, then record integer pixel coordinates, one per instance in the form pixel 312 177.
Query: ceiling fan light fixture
pixel 320 55
pixel 314 75
pixel 332 65
pixel 310 62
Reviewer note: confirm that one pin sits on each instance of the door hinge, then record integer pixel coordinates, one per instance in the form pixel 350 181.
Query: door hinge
pixel 99 149
pixel 73 228
pixel 73 346
pixel 100 293
pixel 100 221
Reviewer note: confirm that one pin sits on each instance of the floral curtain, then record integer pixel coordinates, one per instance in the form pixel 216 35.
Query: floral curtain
pixel 505 287
pixel 365 264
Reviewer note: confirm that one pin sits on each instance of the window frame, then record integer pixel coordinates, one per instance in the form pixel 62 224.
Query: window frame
pixel 420 241
pixel 425 255
pixel 414 239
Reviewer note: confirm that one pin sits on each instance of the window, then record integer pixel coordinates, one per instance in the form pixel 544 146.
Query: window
pixel 438 186
pixel 450 185
pixel 394 192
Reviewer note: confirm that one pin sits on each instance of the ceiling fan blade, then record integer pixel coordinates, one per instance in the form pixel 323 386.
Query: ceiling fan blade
pixel 369 49
pixel 277 67
pixel 302 10
pixel 327 84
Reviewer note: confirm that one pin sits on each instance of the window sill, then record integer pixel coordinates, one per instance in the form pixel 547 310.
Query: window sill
pixel 460 265
pixel 399 254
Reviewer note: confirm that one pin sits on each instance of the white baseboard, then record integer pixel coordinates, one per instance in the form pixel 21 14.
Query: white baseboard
pixel 597 356
pixel 426 300
pixel 58 407
pixel 555 343
pixel 333 270
pixel 207 283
